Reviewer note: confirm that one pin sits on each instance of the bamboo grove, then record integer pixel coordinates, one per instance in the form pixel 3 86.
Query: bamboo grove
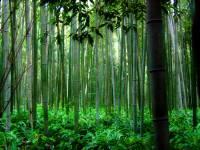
pixel 117 56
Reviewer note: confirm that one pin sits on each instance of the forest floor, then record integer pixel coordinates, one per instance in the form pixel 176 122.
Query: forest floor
pixel 111 132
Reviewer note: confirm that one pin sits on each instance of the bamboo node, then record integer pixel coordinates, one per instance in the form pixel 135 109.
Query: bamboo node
pixel 154 20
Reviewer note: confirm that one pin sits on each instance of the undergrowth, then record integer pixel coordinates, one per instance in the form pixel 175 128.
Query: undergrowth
pixel 111 132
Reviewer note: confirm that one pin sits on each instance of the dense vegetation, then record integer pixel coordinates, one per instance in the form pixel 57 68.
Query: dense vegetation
pixel 99 74
pixel 112 132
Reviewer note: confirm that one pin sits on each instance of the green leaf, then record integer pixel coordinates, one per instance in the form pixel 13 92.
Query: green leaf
pixel 90 39
pixel 98 33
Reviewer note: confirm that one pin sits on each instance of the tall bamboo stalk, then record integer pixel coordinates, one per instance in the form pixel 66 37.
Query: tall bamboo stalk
pixel 157 74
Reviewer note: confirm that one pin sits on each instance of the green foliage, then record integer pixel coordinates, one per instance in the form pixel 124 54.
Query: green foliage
pixel 178 13
pixel 182 135
pixel 111 132
pixel 110 15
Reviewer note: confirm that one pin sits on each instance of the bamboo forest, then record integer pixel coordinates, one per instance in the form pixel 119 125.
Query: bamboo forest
pixel 99 74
